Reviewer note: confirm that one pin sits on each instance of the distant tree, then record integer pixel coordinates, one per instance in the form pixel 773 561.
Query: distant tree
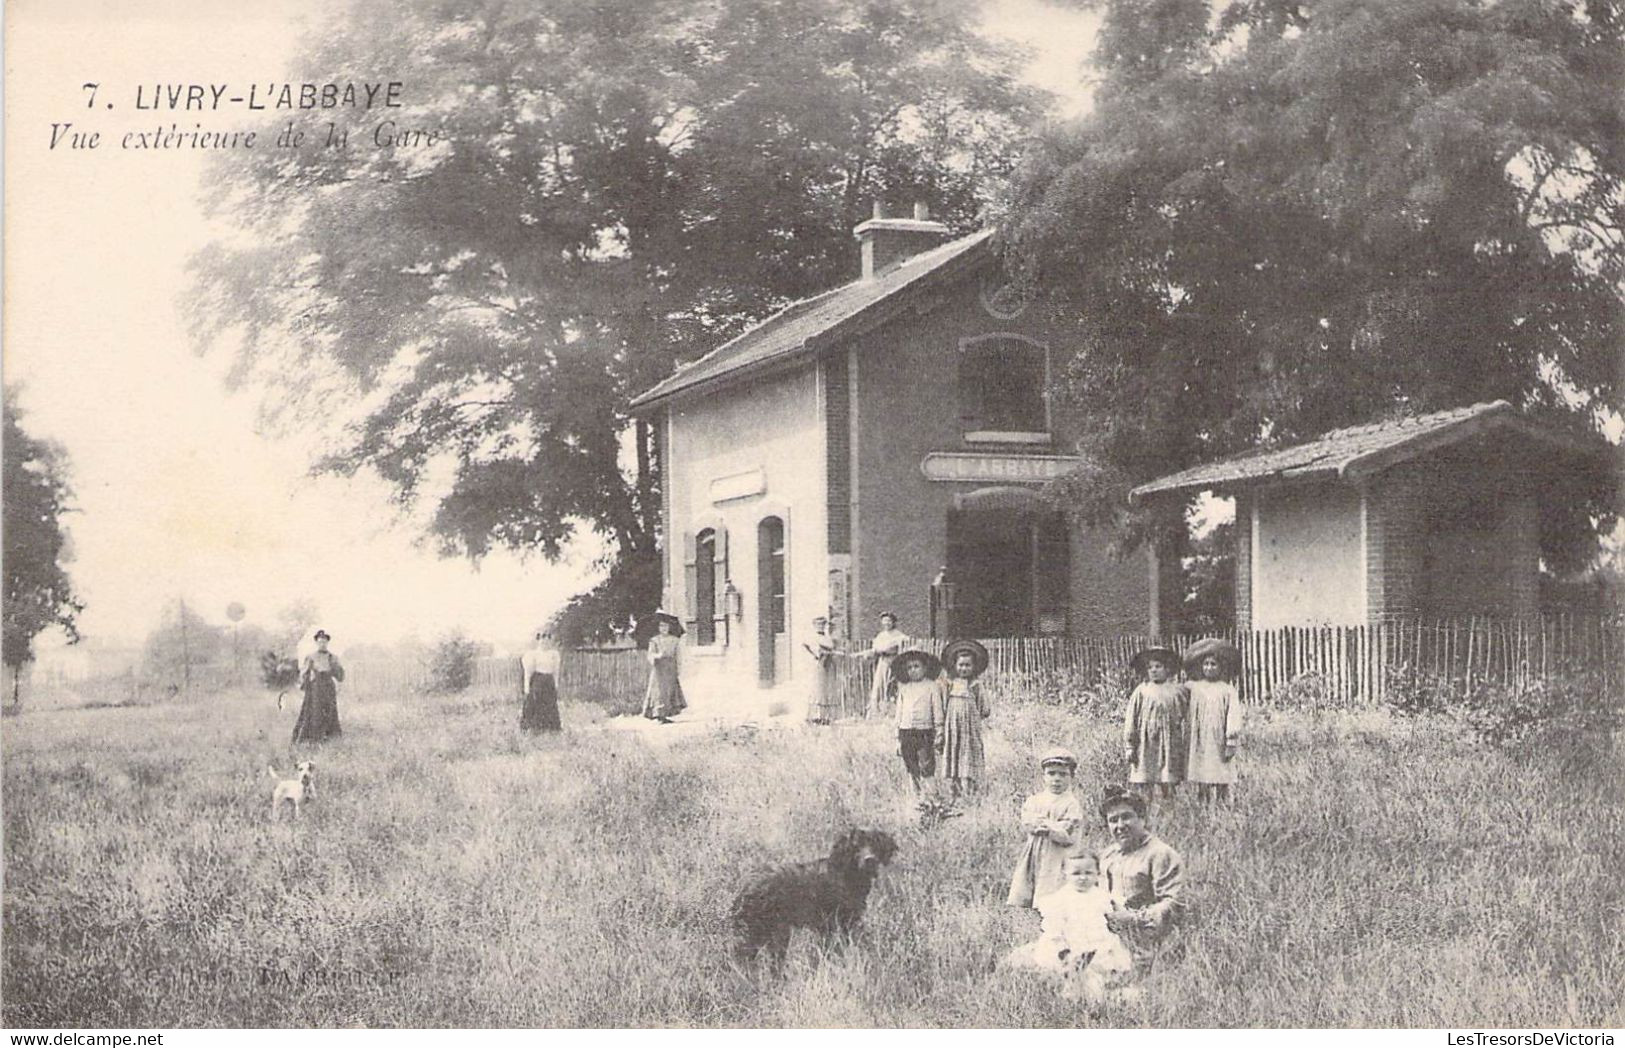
pixel 1283 217
pixel 451 664
pixel 624 183
pixel 295 622
pixel 38 592
pixel 632 591
pixel 185 649
pixel 1210 582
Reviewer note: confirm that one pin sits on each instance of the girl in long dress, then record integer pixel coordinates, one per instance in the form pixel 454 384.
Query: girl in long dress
pixel 888 642
pixel 664 698
pixel 965 709
pixel 1215 717
pixel 319 677
pixel 538 671
pixel 822 698
pixel 1154 724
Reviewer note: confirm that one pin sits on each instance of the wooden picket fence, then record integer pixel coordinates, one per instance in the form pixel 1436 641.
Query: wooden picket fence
pixel 1345 665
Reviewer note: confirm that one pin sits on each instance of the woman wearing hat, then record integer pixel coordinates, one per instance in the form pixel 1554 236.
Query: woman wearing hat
pixel 1050 818
pixel 1154 723
pixel 319 676
pixel 664 698
pixel 964 711
pixel 1211 665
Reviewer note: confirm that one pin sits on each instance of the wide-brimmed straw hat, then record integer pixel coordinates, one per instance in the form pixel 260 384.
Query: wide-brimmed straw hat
pixel 1227 654
pixel 1059 755
pixel 1157 651
pixel 900 661
pixel 955 648
pixel 662 615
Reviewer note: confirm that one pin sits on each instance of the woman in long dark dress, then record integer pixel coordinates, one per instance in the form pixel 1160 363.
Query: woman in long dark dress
pixel 538 669
pixel 319 713
pixel 663 699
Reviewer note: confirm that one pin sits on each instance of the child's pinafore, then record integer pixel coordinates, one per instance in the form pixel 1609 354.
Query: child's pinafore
pixel 1154 732
pixel 1038 871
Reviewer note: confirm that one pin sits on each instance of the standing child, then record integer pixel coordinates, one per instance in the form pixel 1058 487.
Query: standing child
pixel 919 712
pixel 966 709
pixel 1154 724
pixel 1050 818
pixel 1215 716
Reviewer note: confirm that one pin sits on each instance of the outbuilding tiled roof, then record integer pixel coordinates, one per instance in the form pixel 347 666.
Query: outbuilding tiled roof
pixel 813 322
pixel 1353 452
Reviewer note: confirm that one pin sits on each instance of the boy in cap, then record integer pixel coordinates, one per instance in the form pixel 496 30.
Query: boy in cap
pixel 1050 818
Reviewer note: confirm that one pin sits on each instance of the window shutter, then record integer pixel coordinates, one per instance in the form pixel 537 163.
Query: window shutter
pixel 719 579
pixel 690 578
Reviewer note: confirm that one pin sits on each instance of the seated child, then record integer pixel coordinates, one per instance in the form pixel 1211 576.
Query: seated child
pixel 1076 941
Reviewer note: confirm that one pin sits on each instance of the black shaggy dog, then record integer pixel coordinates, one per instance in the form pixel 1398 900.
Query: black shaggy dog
pixel 827 896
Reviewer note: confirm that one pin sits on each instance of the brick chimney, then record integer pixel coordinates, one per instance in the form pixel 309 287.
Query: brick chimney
pixel 888 241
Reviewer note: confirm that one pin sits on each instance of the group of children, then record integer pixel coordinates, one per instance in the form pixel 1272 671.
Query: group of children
pixel 940 709
pixel 1188 731
pixel 1173 731
pixel 1103 913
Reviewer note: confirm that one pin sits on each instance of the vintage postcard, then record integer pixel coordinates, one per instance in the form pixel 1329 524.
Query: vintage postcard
pixel 813 513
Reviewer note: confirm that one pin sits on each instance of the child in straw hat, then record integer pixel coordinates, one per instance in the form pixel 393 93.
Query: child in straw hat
pixel 965 710
pixel 1154 724
pixel 1215 717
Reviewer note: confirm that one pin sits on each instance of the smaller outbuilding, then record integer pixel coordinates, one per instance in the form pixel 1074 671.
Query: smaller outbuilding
pixel 1433 516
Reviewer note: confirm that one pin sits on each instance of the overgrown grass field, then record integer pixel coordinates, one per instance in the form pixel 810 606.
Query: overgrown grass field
pixel 1374 872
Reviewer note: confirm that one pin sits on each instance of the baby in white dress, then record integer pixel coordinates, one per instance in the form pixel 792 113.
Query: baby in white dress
pixel 1075 942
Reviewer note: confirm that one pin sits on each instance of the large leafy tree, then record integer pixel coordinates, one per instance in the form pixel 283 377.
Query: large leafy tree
pixel 620 183
pixel 1282 217
pixel 39 594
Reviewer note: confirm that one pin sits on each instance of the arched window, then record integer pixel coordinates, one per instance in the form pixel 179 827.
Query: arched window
pixel 1002 383
pixel 705 587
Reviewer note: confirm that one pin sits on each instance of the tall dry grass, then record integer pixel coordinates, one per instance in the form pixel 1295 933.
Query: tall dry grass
pixel 1374 872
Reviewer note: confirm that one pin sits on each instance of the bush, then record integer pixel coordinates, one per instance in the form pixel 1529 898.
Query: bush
pixel 1309 691
pixel 451 666
pixel 1561 710
pixel 1572 715
pixel 1410 692
pixel 278 672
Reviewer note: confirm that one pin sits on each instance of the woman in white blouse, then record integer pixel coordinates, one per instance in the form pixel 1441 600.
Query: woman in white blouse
pixel 888 642
pixel 538 668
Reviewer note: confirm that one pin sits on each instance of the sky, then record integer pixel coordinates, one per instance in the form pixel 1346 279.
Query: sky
pixel 178 494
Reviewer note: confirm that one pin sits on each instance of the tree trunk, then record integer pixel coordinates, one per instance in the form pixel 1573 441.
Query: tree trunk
pixel 647 509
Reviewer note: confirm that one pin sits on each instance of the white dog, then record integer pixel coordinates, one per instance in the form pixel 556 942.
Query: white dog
pixel 295 791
